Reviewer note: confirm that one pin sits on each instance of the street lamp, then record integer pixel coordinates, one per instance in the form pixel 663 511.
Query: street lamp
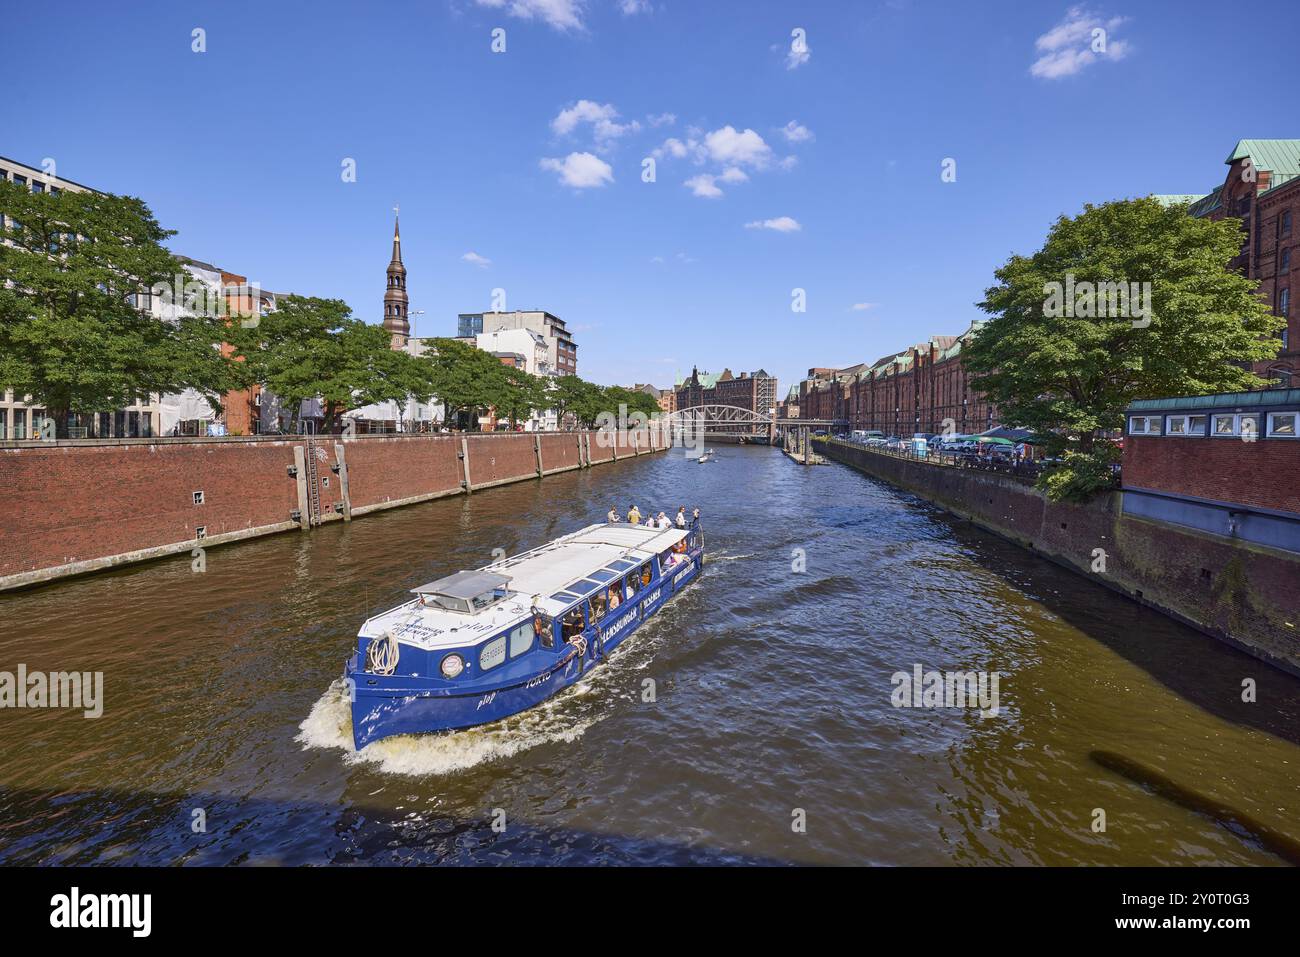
pixel 412 315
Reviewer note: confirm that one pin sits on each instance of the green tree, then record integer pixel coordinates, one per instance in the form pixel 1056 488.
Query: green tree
pixel 1066 349
pixel 410 378
pixel 570 396
pixel 522 394
pixel 71 334
pixel 466 379
pixel 311 348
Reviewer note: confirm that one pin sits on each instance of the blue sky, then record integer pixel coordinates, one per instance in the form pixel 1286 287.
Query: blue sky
pixel 532 158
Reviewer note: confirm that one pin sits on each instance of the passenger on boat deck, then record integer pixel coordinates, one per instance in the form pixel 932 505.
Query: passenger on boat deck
pixel 649 521
pixel 663 521
pixel 572 624
pixel 634 516
pixel 696 514
pixel 681 516
pixel 612 517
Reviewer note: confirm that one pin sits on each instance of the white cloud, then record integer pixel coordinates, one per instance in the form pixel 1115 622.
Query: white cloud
pixel 663 119
pixel 602 117
pixel 746 148
pixel 796 133
pixel 560 14
pixel 671 147
pixel 632 7
pixel 782 224
pixel 475 259
pixel 1081 39
pixel 704 185
pixel 580 170
pixel 862 306
pixel 734 174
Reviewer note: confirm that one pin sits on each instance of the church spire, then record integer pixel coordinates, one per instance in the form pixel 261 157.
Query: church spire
pixel 396 303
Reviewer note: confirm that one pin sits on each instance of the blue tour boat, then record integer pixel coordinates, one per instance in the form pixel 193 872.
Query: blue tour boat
pixel 481 645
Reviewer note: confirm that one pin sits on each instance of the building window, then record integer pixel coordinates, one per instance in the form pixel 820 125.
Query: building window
pixel 1286 222
pixel 1284 263
pixel 1186 425
pixel 1144 425
pixel 1284 302
pixel 1282 425
pixel 1229 425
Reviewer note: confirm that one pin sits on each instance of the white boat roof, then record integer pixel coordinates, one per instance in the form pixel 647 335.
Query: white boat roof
pixel 539 577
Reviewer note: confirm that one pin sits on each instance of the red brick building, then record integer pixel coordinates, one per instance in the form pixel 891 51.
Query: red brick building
pixel 924 388
pixel 1262 190
pixel 1225 464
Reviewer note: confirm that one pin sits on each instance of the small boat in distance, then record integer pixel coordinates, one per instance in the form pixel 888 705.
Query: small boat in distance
pixel 706 456
pixel 478 646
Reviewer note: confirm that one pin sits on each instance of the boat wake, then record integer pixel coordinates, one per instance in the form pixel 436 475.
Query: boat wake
pixel 329 725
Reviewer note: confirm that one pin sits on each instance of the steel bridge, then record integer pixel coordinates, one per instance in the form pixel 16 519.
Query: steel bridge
pixel 733 421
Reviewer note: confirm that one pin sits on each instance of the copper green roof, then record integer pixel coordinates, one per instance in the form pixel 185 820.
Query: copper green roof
pixel 1279 157
pixel 707 381
pixel 1177 199
pixel 1265 398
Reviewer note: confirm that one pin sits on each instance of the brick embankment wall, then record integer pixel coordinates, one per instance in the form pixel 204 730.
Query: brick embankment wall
pixel 72 507
pixel 1218 469
pixel 1246 594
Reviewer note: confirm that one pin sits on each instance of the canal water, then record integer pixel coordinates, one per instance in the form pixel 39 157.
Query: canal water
pixel 751 721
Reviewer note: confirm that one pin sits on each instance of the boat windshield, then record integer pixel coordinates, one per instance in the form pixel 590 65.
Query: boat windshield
pixel 472 604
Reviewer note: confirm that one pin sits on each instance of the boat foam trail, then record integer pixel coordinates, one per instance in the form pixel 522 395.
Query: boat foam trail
pixel 1237 821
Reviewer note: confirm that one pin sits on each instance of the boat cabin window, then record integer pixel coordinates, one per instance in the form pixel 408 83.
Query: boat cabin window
pixel 599 604
pixel 615 596
pixel 521 638
pixel 632 583
pixel 493 653
pixel 647 573
pixel 603 575
pixel 571 624
pixel 464 605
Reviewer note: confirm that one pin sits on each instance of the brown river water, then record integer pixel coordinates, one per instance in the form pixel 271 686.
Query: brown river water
pixel 224 736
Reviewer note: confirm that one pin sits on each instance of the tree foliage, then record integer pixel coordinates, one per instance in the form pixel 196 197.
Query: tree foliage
pixel 1068 366
pixel 311 348
pixel 71 335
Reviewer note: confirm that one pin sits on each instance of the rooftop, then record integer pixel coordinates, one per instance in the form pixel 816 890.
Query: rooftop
pixel 1265 398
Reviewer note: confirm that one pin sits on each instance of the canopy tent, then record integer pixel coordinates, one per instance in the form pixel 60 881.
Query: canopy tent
pixel 1010 434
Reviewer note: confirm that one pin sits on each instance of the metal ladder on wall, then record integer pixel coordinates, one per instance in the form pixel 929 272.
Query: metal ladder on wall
pixel 313 484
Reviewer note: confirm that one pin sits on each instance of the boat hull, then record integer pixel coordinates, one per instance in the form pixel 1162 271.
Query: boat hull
pixel 404 707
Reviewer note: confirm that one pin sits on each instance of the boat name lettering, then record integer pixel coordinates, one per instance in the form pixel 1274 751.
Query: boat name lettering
pixel 486 700
pixel 618 626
